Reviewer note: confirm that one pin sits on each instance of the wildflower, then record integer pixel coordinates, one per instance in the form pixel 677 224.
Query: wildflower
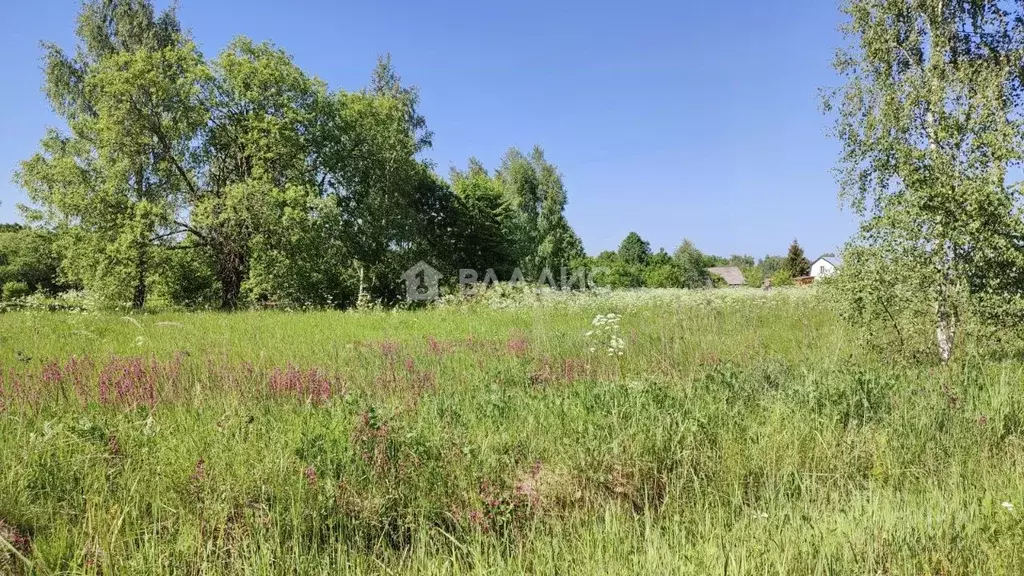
pixel 199 473
pixel 615 345
pixel 310 475
pixel 51 373
pixel 389 349
pixel 1008 506
pixel 114 446
pixel 517 346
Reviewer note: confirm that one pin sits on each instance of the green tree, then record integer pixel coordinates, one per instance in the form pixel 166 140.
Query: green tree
pixel 531 211
pixel 256 208
pixel 693 265
pixel 558 245
pixel 108 186
pixel 634 250
pixel 521 191
pixel 929 120
pixel 740 261
pixel 662 271
pixel 769 265
pixel 386 82
pixel 612 272
pixel 483 220
pixel 796 263
pixel 387 200
pixel 754 276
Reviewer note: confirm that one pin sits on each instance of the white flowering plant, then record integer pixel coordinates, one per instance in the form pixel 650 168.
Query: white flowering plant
pixel 604 335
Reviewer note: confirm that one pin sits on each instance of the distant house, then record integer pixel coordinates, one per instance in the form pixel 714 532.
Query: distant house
pixel 732 275
pixel 825 265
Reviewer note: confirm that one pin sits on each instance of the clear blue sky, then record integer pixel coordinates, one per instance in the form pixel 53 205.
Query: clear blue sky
pixel 673 119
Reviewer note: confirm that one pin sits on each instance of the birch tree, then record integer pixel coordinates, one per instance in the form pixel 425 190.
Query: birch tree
pixel 929 123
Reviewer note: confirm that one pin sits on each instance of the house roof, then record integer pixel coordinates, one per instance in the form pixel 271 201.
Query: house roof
pixel 732 275
pixel 836 261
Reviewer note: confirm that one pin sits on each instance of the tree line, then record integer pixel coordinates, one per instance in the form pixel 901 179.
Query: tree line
pixel 241 179
pixel 635 265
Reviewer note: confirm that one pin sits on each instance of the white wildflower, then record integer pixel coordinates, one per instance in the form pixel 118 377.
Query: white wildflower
pixel 605 335
pixel 1008 506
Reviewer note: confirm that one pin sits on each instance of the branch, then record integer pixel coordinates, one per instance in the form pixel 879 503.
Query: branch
pixel 174 161
pixel 166 235
pixel 166 145
pixel 199 234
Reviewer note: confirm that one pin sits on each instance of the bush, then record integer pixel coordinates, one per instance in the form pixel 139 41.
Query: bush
pixel 15 289
pixel 188 280
pixel 782 277
pixel 885 296
pixel 753 276
pixel 29 256
pixel 664 276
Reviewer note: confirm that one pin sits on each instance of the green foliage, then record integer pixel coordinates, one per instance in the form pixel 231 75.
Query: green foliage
pixel 634 266
pixel 14 289
pixel 782 277
pixel 693 265
pixel 278 189
pixel 662 271
pixel 634 250
pixel 109 187
pixel 515 219
pixel 484 221
pixel 187 279
pixel 754 276
pixel 796 263
pixel 28 256
pixel 612 272
pixel 740 261
pixel 533 219
pixel 769 265
pixel 929 120
pixel 891 310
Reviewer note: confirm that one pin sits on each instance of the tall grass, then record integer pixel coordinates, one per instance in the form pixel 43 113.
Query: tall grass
pixel 739 432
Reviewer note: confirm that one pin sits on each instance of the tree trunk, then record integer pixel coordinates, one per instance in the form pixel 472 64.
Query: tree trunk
pixel 945 331
pixel 231 274
pixel 139 296
pixel 362 299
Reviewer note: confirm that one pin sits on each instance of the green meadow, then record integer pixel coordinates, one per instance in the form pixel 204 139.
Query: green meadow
pixel 655 432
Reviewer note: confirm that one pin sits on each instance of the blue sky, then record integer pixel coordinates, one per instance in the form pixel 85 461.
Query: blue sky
pixel 673 119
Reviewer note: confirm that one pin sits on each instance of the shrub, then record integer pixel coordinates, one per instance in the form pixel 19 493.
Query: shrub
pixel 753 276
pixel 15 289
pixel 782 277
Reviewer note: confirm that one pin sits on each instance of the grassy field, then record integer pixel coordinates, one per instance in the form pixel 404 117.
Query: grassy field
pixel 693 433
